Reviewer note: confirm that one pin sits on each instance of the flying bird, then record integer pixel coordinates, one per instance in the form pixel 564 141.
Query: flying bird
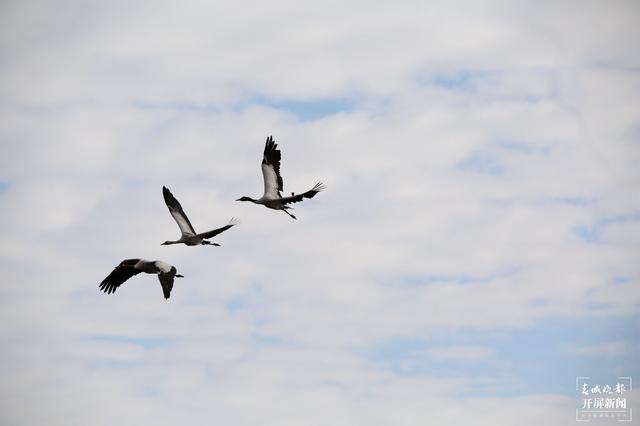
pixel 130 267
pixel 272 197
pixel 189 236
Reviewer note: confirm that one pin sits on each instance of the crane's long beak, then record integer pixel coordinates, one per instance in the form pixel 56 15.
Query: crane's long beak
pixel 179 276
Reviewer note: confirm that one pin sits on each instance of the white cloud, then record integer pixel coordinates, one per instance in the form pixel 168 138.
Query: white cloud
pixel 461 353
pixel 606 349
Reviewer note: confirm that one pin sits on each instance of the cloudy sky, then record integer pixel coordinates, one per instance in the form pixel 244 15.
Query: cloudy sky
pixel 476 248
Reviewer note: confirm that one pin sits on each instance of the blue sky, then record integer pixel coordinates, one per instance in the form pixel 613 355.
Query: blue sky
pixel 475 250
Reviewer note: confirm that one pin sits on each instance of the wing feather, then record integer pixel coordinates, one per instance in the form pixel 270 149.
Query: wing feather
pixel 213 233
pixel 178 214
pixel 271 169
pixel 309 194
pixel 119 275
pixel 166 281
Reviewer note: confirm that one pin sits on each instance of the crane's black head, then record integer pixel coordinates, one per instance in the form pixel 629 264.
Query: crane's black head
pixel 166 243
pixel 246 199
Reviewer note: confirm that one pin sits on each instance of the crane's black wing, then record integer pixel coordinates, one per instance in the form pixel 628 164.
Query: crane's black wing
pixel 271 169
pixel 119 275
pixel 309 194
pixel 176 211
pixel 213 233
pixel 166 281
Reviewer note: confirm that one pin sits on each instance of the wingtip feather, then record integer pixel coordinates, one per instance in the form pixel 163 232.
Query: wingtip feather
pixel 319 187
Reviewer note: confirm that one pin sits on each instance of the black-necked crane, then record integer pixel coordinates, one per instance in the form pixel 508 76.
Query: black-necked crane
pixel 189 236
pixel 272 197
pixel 130 267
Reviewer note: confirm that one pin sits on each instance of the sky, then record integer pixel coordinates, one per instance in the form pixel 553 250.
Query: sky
pixel 475 251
